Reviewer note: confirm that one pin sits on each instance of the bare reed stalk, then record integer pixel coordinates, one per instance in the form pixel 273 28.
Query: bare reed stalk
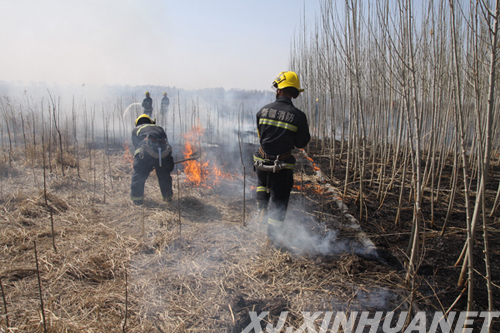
pixel 218 124
pixel 40 288
pixel 468 262
pixel 416 141
pixel 456 172
pixel 34 148
pixel 93 151
pixel 179 201
pixel 49 141
pixel 243 164
pixel 487 147
pixel 75 138
pixel 45 188
pixel 24 136
pixel 5 305
pixel 52 228
pixel 104 160
pixel 8 132
pixel 2 134
pixel 121 120
pixel 126 301
pixel 86 136
pixel 355 69
pixel 107 152
pixel 43 162
pixel 1 178
pixel 143 216
pixel 114 125
pixel 180 119
pixel 57 127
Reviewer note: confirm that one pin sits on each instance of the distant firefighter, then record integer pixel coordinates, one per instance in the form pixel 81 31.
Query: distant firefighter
pixel 147 104
pixel 165 102
pixel 152 151
pixel 281 127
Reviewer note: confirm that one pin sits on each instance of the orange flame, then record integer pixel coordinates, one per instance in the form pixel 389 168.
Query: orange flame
pixel 314 166
pixel 193 169
pixel 309 187
pixel 205 173
pixel 127 156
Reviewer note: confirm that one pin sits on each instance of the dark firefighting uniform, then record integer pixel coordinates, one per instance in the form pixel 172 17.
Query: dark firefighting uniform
pixel 165 102
pixel 147 104
pixel 281 128
pixel 149 137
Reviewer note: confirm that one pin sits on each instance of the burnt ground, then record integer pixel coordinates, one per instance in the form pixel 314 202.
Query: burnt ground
pixel 196 265
pixel 438 273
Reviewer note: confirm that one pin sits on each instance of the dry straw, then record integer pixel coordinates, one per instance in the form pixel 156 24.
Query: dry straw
pixel 208 280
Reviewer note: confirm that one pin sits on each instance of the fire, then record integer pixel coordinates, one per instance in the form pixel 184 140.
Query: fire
pixel 193 169
pixel 204 173
pixel 314 166
pixel 309 187
pixel 127 156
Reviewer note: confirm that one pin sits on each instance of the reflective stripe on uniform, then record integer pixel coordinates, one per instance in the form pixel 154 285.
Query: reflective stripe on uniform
pixel 282 124
pixel 137 151
pixel 275 223
pixel 137 198
pixel 261 189
pixel 143 126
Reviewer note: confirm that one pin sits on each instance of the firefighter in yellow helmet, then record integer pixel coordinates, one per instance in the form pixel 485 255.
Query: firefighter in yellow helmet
pixel 281 127
pixel 147 104
pixel 165 102
pixel 152 151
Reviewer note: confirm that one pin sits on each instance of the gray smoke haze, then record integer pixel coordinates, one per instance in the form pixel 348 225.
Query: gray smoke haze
pixel 304 234
pixel 301 239
pixel 223 114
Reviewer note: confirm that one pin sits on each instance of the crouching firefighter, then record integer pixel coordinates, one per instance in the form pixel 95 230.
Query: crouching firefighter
pixel 281 127
pixel 152 151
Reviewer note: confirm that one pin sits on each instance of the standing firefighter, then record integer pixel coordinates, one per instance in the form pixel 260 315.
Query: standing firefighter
pixel 165 102
pixel 147 104
pixel 152 151
pixel 281 127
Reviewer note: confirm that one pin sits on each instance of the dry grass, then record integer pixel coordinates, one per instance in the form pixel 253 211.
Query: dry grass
pixel 204 279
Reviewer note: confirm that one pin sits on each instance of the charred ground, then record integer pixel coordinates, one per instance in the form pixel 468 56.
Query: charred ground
pixel 438 272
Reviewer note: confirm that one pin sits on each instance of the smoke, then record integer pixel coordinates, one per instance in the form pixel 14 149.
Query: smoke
pixel 225 115
pixel 301 239
pixel 376 298
pixel 303 234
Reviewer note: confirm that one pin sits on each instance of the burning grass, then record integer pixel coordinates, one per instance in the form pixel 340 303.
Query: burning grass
pixel 203 171
pixel 204 275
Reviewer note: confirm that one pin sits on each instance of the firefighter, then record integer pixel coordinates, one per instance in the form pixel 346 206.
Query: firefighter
pixel 281 127
pixel 152 151
pixel 147 104
pixel 165 102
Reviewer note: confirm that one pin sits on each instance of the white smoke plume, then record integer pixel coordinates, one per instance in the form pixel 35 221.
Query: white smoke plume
pixel 303 234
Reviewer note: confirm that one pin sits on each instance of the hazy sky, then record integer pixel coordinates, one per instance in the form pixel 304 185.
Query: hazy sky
pixel 190 44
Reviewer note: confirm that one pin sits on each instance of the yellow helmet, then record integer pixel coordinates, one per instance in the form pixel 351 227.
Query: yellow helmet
pixel 146 93
pixel 287 79
pixel 144 119
pixel 164 94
